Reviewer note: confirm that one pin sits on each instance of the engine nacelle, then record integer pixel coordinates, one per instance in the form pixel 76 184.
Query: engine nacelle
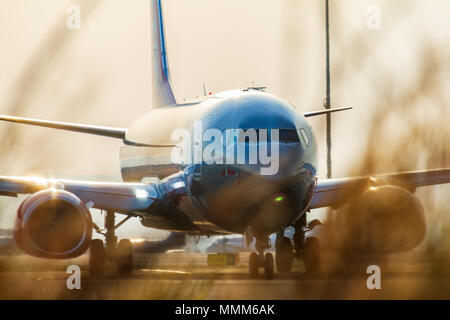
pixel 53 224
pixel 386 219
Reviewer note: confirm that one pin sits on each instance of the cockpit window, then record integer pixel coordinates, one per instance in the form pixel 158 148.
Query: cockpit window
pixel 304 135
pixel 253 135
pixel 288 136
pixel 257 135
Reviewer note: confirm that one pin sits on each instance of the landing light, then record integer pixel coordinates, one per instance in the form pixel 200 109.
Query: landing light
pixel 137 240
pixel 141 193
pixel 179 184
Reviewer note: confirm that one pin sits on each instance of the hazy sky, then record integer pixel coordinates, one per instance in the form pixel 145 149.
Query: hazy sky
pixel 100 74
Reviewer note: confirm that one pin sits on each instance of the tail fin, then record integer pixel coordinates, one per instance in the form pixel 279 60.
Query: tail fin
pixel 161 87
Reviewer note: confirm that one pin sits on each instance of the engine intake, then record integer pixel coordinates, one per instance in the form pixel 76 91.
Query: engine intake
pixel 386 219
pixel 53 224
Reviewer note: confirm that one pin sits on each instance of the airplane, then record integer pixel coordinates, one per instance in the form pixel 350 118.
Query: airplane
pixel 204 197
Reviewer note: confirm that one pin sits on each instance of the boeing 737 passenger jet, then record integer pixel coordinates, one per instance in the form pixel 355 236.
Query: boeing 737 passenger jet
pixel 237 162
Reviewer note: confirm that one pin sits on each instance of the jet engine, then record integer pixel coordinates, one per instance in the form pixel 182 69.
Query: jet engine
pixel 53 224
pixel 385 219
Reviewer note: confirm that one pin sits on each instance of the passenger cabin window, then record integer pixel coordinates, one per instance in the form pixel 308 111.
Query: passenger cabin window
pixel 288 136
pixel 304 135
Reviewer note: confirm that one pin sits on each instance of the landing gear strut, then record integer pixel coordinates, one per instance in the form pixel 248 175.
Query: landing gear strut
pixel 259 259
pixel 120 253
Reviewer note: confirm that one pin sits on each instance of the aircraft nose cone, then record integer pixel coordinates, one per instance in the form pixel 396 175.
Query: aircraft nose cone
pixel 290 159
pixel 252 110
pixel 278 153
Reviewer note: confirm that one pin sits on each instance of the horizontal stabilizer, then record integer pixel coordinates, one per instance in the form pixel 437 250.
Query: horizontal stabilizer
pixel 317 113
pixel 118 133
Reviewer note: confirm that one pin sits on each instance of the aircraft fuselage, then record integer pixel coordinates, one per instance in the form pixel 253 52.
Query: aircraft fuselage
pixel 225 191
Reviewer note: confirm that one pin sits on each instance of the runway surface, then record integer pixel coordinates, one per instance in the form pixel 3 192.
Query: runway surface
pixel 186 276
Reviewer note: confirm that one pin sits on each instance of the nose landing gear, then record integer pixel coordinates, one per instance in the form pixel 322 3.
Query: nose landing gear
pixel 259 259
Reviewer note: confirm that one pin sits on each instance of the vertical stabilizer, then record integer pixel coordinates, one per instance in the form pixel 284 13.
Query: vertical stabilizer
pixel 161 88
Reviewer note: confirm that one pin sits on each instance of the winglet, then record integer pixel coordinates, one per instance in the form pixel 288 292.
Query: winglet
pixel 317 113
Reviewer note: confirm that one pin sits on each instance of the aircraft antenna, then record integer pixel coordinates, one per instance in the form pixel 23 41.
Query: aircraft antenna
pixel 327 104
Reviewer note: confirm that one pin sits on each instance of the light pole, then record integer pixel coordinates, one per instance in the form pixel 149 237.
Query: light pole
pixel 328 99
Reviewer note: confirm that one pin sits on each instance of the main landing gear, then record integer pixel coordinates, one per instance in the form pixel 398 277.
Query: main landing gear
pixel 307 249
pixel 111 251
pixel 259 259
pixel 284 254
pixel 286 250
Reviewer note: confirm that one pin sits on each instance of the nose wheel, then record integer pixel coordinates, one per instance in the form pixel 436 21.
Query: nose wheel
pixel 268 265
pixel 258 259
pixel 253 264
pixel 262 260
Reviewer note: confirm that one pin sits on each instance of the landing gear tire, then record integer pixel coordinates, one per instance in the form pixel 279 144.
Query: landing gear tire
pixel 315 223
pixel 268 265
pixel 97 258
pixel 311 255
pixel 124 257
pixel 284 255
pixel 253 264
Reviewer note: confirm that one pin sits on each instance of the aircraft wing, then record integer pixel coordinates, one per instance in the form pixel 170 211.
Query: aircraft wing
pixel 118 197
pixel 111 132
pixel 335 192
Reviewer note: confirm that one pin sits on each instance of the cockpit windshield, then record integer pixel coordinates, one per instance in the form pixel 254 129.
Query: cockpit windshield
pixel 288 136
pixel 257 135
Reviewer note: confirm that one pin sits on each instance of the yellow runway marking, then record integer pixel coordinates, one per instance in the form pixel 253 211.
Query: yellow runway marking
pixel 165 271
